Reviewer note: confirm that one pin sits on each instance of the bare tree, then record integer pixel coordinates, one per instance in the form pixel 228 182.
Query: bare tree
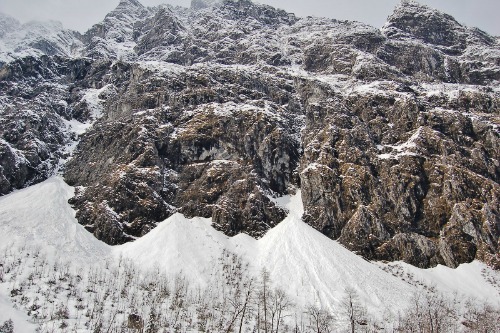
pixel 152 325
pixel 353 310
pixel 280 303
pixel 177 304
pixel 7 327
pixel 235 289
pixel 482 318
pixel 264 296
pixel 239 303
pixel 320 320
pixel 429 313
pixel 248 297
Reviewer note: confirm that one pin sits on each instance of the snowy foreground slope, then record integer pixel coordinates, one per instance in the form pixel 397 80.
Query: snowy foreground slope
pixel 307 264
pixel 41 215
pixel 311 268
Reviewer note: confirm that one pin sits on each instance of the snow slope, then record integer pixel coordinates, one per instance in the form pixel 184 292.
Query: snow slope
pixel 40 215
pixel 468 280
pixel 310 267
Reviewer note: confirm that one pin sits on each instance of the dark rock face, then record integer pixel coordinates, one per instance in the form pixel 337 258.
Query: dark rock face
pixel 163 30
pixel 389 190
pixel 32 131
pixel 220 159
pixel 391 135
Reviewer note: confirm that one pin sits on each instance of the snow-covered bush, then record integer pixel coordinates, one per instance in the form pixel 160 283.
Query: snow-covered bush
pixel 7 327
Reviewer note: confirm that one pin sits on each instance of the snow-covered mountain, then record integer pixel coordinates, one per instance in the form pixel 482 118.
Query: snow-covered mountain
pixel 35 39
pixel 114 37
pixel 234 131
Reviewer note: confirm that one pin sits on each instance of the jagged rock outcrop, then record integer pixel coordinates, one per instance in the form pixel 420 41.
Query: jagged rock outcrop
pixel 388 167
pixel 428 44
pixel 35 114
pixel 220 159
pixel 391 134
pixel 412 20
pixel 114 37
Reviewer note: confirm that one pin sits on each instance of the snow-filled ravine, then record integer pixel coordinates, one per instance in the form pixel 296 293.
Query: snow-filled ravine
pixel 311 268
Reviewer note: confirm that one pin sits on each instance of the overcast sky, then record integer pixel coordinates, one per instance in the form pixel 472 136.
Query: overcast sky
pixel 82 14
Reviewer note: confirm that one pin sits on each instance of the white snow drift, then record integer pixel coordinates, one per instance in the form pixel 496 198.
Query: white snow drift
pixel 310 267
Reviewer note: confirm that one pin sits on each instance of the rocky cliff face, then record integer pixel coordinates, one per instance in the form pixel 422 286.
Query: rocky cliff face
pixel 199 146
pixel 391 134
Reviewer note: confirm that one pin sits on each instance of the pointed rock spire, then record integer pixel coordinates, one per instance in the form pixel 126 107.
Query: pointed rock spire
pixel 426 23
pixel 128 6
pixel 200 4
pixel 128 3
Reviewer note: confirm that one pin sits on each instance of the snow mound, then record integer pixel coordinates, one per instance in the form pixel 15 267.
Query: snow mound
pixel 41 216
pixel 309 266
pixel 178 245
